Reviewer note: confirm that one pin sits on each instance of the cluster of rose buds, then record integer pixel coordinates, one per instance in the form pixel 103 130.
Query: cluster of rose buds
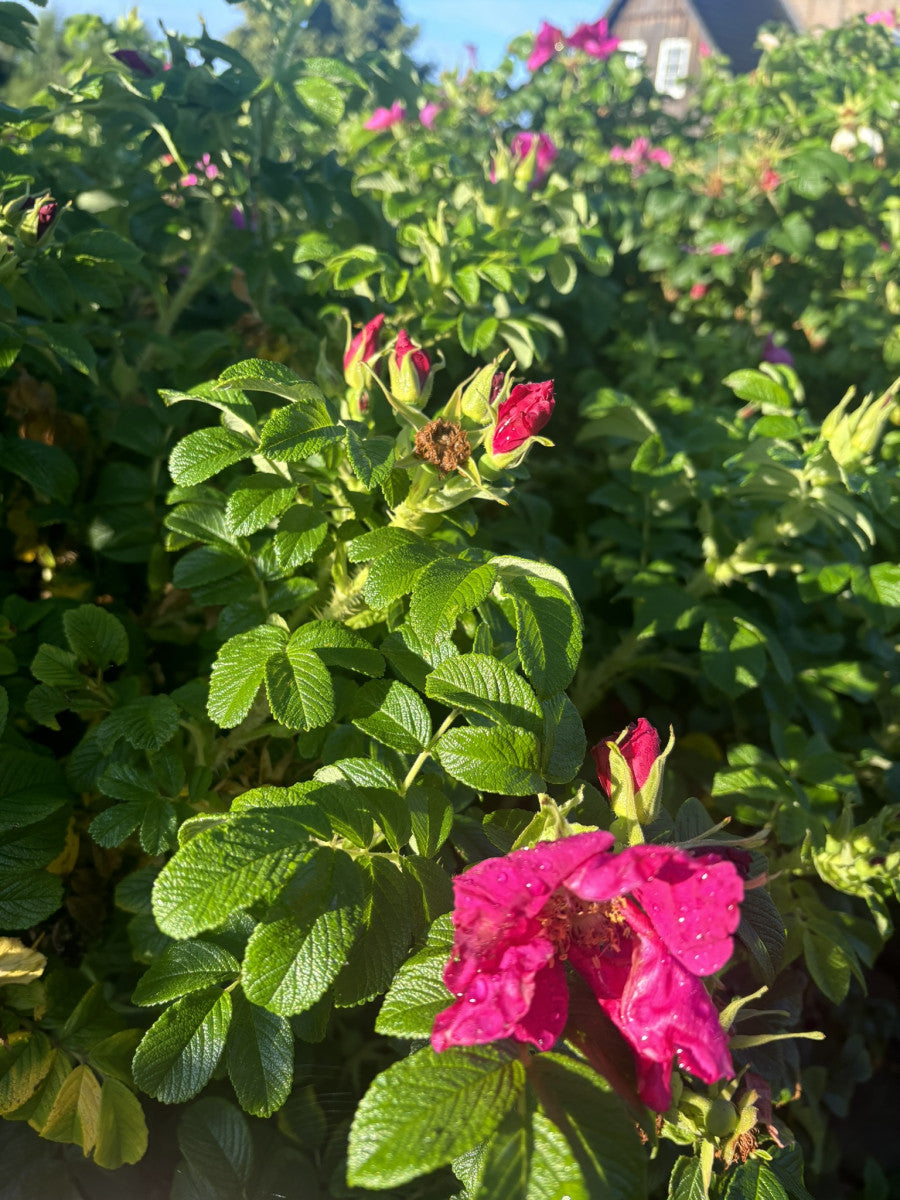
pixel 593 39
pixel 385 118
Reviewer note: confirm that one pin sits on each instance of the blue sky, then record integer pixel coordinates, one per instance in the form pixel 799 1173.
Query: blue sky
pixel 444 27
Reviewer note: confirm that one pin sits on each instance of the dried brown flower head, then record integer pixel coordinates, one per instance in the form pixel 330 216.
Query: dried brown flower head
pixel 443 444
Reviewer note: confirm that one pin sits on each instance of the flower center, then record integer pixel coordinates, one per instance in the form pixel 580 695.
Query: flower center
pixel 590 924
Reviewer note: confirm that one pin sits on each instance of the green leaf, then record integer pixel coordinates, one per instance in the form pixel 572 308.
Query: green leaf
pixel 385 939
pixel 756 388
pixel 238 671
pixel 259 1054
pixel 828 964
pixel 296 953
pixel 214 1137
pixel 753 1180
pixel 292 434
pixel 426 1110
pixel 179 1052
pixel 482 684
pixel 413 657
pixel 31 788
pixel 393 714
pixel 230 866
pixel 418 993
pixel 184 967
pixel 378 542
pixel 338 646
pixel 96 637
pixel 46 468
pixel 298 688
pixel 146 723
pixel 263 375
pixel 563 745
pixel 371 458
pixel 121 1127
pixel 322 98
pixel 28 897
pixel 431 818
pixel 393 574
pixel 597 1125
pixel 258 501
pixel 732 655
pixel 57 668
pixel 300 534
pixel 205 452
pixel 42 704
pixel 686 1180
pixel 505 761
pixel 75 1115
pixel 25 1062
pixel 443 592
pixel 548 632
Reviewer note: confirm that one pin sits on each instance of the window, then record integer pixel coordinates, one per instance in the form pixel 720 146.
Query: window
pixel 635 52
pixel 672 66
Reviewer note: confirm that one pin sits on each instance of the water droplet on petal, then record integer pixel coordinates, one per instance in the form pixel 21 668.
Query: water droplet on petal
pixel 681 920
pixel 705 875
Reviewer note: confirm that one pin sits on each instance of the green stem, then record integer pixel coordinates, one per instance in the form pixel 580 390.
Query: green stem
pixel 426 753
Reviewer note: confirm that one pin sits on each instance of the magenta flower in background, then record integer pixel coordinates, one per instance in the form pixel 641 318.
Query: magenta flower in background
pixel 641 927
pixel 698 291
pixel 639 154
pixel 703 50
pixel 384 118
pixel 594 39
pixel 139 63
pixel 205 166
pixel 238 220
pixel 524 413
pixel 769 180
pixel 545 153
pixel 719 248
pixel 773 353
pixel 428 113
pixel 661 156
pixel 639 748
pixel 882 16
pixel 548 42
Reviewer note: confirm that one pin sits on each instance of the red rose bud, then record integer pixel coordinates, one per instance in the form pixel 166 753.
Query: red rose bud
pixel 497 385
pixel 410 371
pixel 40 217
pixel 361 349
pixel 629 768
pixel 524 414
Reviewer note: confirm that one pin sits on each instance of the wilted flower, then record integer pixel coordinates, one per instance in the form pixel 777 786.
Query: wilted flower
pixel 773 353
pixel 428 113
pixel 549 41
pixel 594 39
pixel 410 370
pixel 882 16
pixel 523 414
pixel 384 118
pixel 361 349
pixel 544 153
pixel 641 928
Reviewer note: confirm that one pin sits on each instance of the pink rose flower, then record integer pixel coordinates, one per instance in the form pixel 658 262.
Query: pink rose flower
pixel 719 248
pixel 523 414
pixel 639 154
pixel 661 156
pixel 703 50
pixel 384 118
pixel 428 113
pixel 769 180
pixel 640 927
pixel 698 291
pixel 545 153
pixel 205 166
pixel 363 347
pixel 594 39
pixel 639 748
pixel 882 16
pixel 548 42
pixel 773 353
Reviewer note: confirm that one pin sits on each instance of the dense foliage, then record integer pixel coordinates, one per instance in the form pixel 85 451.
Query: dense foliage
pixel 302 615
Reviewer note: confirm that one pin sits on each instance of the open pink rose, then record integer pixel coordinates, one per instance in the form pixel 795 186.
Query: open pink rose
pixel 594 39
pixel 384 118
pixel 640 927
pixel 548 42
pixel 769 180
pixel 428 113
pixel 639 154
pixel 524 413
pixel 719 249
pixel 882 16
pixel 639 748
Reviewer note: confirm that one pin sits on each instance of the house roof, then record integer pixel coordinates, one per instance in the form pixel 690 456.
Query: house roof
pixel 731 27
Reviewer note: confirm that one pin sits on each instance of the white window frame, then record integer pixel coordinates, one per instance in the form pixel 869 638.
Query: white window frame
pixel 673 66
pixel 635 51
